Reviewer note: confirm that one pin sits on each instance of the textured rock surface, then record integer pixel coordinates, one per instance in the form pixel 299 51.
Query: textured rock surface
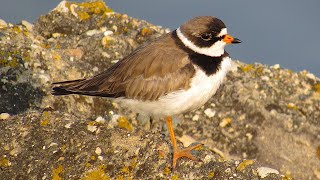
pixel 262 117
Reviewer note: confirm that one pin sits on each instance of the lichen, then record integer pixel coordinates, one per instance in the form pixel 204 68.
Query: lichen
pixel 44 121
pixel 96 174
pixel 4 162
pixel 56 172
pixel 292 106
pixel 146 31
pixel 124 123
pixel 247 68
pixel 244 164
pixel 317 88
pixel 10 58
pixel 211 175
pixel 85 9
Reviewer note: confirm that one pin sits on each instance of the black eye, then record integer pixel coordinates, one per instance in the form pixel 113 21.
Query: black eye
pixel 206 36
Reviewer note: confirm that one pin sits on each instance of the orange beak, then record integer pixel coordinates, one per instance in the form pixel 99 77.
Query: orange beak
pixel 231 40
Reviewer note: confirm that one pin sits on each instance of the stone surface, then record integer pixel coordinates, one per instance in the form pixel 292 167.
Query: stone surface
pixel 268 114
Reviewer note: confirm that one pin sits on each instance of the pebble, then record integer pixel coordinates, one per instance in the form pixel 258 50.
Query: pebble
pixel 98 151
pixel 4 116
pixel 92 128
pixel 195 117
pixel 68 126
pixel 93 32
pixel 265 171
pixel 107 33
pixel 100 120
pixel 209 112
pixel 276 66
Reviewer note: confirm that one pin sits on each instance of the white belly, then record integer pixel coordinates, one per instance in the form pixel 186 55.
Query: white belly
pixel 201 89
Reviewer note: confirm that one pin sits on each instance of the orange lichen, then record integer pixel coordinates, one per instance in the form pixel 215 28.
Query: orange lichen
pixel 318 152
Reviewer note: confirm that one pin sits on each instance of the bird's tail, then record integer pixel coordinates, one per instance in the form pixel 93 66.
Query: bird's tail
pixel 67 87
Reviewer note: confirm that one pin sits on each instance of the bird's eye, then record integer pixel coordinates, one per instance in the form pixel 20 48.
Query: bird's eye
pixel 206 36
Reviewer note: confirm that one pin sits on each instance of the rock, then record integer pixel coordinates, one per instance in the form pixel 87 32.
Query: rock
pixel 28 25
pixel 209 112
pixel 265 171
pixel 3 24
pixel 275 112
pixel 4 116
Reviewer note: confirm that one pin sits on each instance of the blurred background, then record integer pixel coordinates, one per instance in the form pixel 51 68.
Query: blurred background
pixel 272 32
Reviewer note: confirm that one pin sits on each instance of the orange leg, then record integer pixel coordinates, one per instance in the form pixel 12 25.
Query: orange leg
pixel 177 152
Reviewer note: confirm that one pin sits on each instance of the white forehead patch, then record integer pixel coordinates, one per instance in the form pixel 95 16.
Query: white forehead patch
pixel 216 50
pixel 222 32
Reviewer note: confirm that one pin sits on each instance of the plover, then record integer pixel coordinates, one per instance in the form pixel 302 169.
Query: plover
pixel 174 74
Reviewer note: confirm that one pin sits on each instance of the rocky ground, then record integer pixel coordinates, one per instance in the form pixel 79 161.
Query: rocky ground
pixel 263 123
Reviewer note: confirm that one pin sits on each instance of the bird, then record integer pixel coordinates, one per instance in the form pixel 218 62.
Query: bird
pixel 173 74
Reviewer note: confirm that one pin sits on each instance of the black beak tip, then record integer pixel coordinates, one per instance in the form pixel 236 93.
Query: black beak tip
pixel 236 41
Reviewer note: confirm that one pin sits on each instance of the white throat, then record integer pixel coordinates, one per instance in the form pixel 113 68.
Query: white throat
pixel 216 50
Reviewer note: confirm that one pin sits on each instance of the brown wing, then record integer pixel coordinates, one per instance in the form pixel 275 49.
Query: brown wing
pixel 146 74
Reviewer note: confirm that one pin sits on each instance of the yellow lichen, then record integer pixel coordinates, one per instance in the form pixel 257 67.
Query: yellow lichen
pixel 292 106
pixel 244 164
pixel 17 29
pixel 96 174
pixel 93 158
pixel 124 123
pixel 166 171
pixel 56 173
pixel 56 57
pixel 107 41
pixel 85 9
pixel 211 175
pixel 174 177
pixel 125 170
pixel 146 31
pixel 247 68
pixel 44 121
pixel 4 162
pixel 225 122
pixel 317 87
